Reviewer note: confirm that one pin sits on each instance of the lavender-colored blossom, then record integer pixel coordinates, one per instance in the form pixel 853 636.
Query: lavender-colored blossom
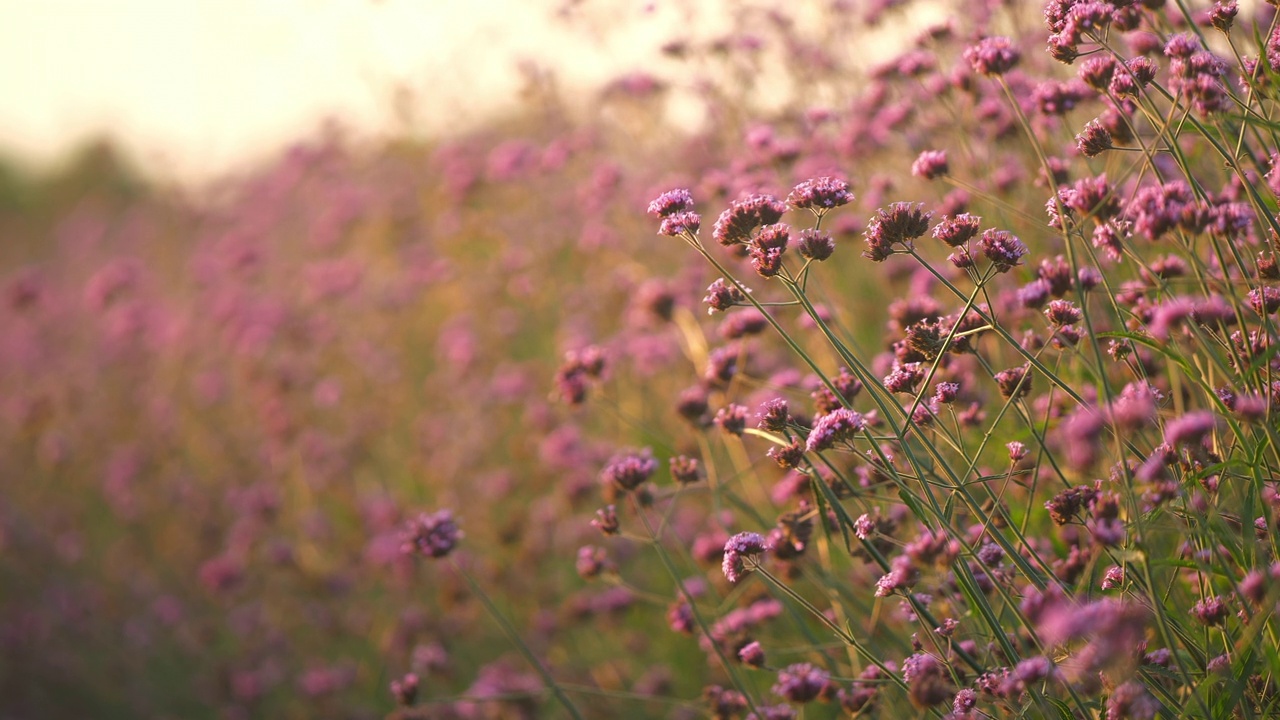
pixel 1131 700
pixel 815 244
pixel 773 415
pixel 836 426
pixel 736 224
pixel 926 678
pixel 958 230
pixel 1223 14
pixel 736 551
pixel 801 682
pixel 752 654
pixel 1190 429
pixel 900 223
pixel 820 195
pixel 931 164
pixel 787 456
pixel 629 470
pixel 902 575
pixel 671 203
pixel 992 56
pixel 1113 578
pixel 732 419
pixel 685 470
pixel 766 249
pixel 1003 249
pixel 592 562
pixel 1094 139
pixel 432 534
pixel 1014 382
pixel 680 224
pixel 1210 611
pixel 722 296
pixel 405 690
pixel 606 520
pixel 1265 300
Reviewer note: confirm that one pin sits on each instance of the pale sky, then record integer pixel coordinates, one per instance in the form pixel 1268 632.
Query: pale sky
pixel 193 88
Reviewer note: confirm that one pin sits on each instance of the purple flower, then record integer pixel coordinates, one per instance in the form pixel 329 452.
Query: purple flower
pixel 801 682
pixel 1094 139
pixel 958 230
pixel 680 224
pixel 836 426
pixel 1131 700
pixel 926 680
pixel 900 223
pixel 405 690
pixel 740 547
pixel 434 535
pixel 1113 578
pixel 1210 611
pixel 773 415
pixel 628 471
pixel 931 164
pixel 767 247
pixel 1063 312
pixel 820 195
pixel 606 520
pixel 736 224
pixel 965 701
pixel 1190 429
pixel 815 244
pixel 992 56
pixel 1265 300
pixel 902 575
pixel 732 419
pixel 671 202
pixel 1014 382
pixel 684 470
pixel 752 654
pixel 1223 14
pixel 1002 248
pixel 591 562
pixel 722 296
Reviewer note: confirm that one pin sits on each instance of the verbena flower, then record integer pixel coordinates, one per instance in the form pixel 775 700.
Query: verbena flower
pixel 434 535
pixel 737 550
pixel 1093 140
pixel 820 195
pixel 958 230
pixel 629 470
pixel 931 164
pixel 736 224
pixel 1003 249
pixel 801 682
pixel 992 56
pixel 898 224
pixel 836 426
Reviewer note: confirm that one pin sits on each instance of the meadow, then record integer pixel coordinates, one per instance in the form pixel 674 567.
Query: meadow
pixel 943 387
